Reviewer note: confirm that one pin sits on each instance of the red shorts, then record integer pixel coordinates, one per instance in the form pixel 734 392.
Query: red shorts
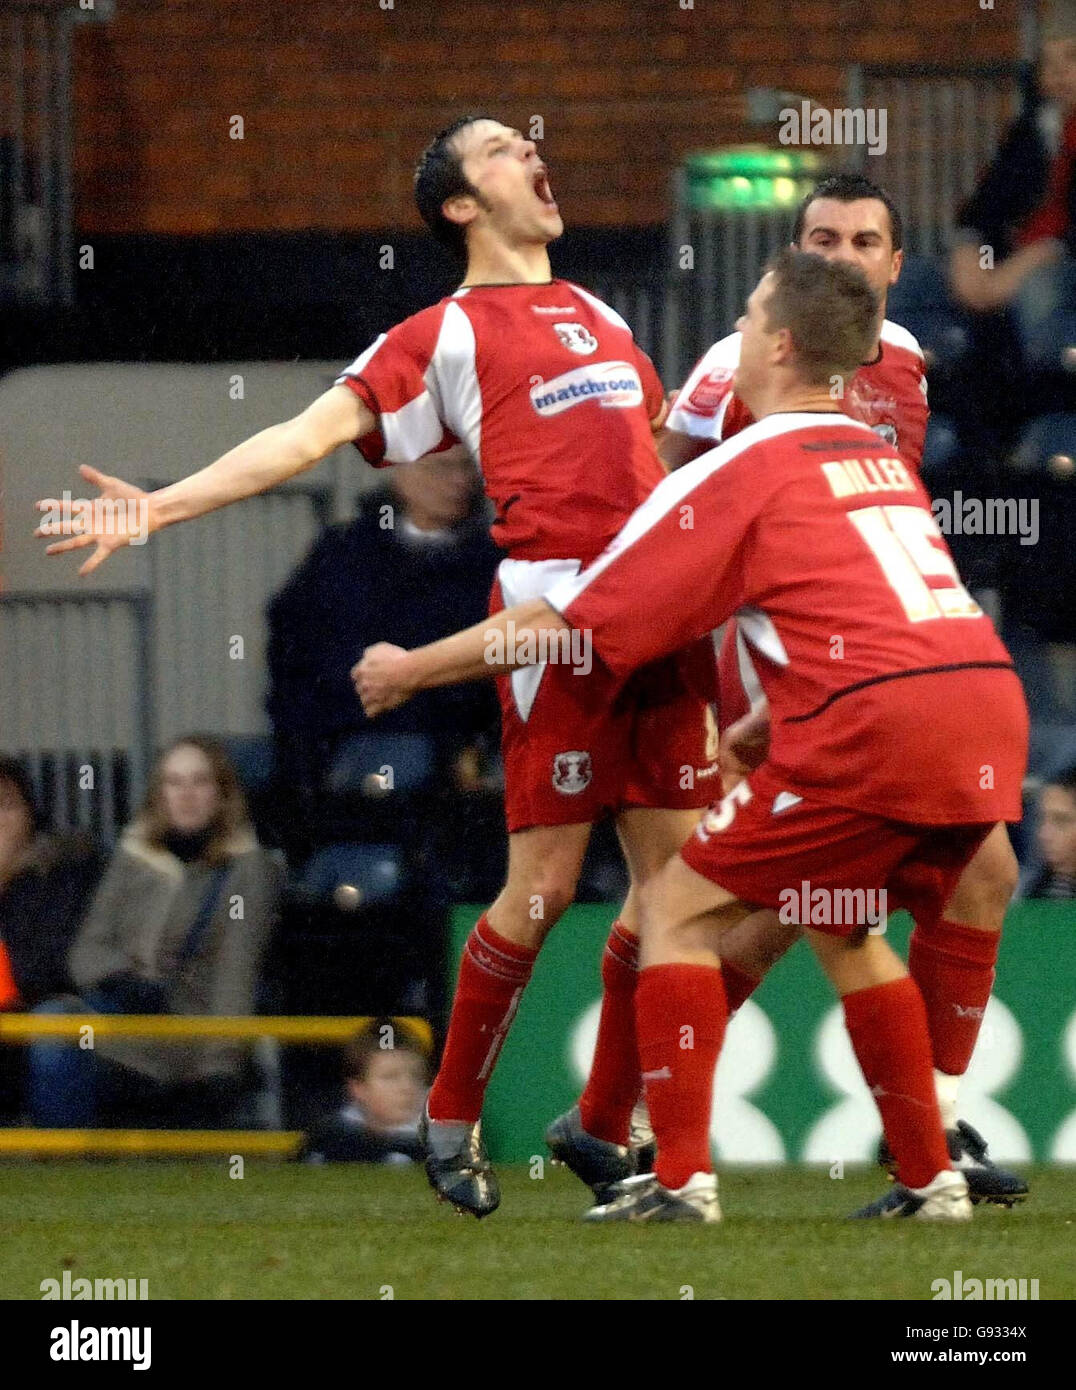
pixel 823 866
pixel 578 746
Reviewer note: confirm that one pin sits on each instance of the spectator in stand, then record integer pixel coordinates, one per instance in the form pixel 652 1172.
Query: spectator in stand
pixel 1024 208
pixel 387 1078
pixel 179 925
pixel 1056 877
pixel 414 564
pixel 46 881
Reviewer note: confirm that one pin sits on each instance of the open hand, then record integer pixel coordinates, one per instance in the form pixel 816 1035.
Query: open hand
pixel 120 515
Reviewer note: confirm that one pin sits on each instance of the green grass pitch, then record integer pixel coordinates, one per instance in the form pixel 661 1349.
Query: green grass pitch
pixel 347 1232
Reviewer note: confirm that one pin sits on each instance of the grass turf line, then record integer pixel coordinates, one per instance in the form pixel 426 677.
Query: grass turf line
pixel 343 1232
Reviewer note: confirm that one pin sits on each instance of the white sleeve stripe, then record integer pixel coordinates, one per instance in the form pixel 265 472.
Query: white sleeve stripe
pixel 413 430
pixel 360 362
pixel 453 372
pixel 900 337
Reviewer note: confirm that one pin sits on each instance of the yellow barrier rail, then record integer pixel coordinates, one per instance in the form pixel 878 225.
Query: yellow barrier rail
pixel 22 1028
pixel 144 1143
pixel 148 1143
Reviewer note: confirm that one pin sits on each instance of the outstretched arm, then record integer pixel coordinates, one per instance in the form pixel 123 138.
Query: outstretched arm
pixel 258 464
pixel 388 676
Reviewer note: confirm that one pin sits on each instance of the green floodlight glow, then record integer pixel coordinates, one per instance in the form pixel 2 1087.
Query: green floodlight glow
pixel 751 176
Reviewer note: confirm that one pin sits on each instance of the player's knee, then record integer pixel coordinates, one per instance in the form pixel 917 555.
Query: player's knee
pixel 986 887
pixel 550 896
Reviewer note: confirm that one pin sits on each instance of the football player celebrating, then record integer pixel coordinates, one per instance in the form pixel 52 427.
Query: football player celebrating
pixel 548 390
pixel 848 218
pixel 887 769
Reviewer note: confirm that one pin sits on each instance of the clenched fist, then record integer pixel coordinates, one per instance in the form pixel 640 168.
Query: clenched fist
pixel 381 678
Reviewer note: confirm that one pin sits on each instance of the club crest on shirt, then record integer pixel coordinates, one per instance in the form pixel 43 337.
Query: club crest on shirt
pixel 874 408
pixel 576 338
pixel 572 772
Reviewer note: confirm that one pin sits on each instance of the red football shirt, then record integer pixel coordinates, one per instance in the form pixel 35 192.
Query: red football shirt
pixel 889 690
pixel 549 391
pixel 888 394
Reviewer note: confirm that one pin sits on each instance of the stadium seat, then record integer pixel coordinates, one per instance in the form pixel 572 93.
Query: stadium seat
pixel 941 450
pixel 1048 446
pixel 253 760
pixel 920 302
pixel 1053 346
pixel 374 765
pixel 352 875
pixel 1052 750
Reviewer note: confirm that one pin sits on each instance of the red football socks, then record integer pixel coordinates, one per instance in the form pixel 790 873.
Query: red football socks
pixel 738 985
pixel 953 966
pixel 680 1018
pixel 613 1085
pixel 888 1028
pixel 493 974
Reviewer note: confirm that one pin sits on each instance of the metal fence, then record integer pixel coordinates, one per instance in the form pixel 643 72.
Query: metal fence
pixel 725 250
pixel 92 684
pixel 211 581
pixel 943 127
pixel 75 702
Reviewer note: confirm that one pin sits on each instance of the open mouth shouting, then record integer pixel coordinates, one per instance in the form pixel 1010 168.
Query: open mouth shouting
pixel 542 188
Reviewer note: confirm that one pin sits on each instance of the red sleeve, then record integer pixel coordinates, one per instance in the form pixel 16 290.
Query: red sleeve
pixel 396 378
pixel 674 572
pixel 653 391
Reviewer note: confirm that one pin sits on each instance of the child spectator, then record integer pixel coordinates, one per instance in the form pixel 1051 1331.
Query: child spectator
pixel 1056 878
pixel 386 1078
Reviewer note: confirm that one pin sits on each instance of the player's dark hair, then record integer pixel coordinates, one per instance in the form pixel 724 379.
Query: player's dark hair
pixel 830 310
pixel 439 175
pixel 361 1051
pixel 850 188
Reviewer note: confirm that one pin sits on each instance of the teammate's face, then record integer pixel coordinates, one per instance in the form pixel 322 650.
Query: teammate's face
pixel 856 232
pixel 1057 829
pixel 393 1089
pixel 189 789
pixel 516 200
pixel 760 347
pixel 1057 72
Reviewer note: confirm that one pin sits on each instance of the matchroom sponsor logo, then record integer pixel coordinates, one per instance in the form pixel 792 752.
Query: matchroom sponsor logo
pixel 609 383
